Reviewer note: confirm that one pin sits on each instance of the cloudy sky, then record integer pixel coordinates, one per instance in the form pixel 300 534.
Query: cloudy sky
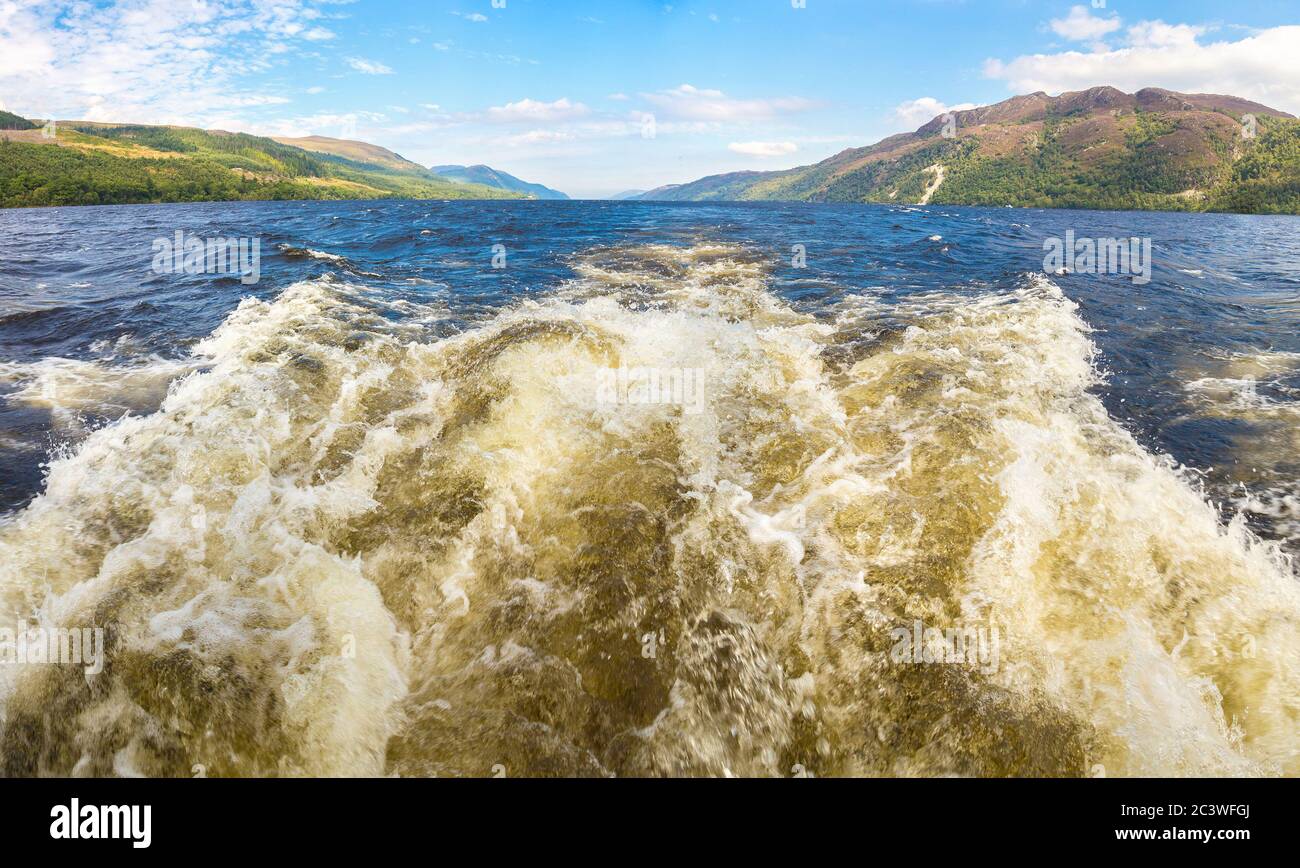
pixel 597 96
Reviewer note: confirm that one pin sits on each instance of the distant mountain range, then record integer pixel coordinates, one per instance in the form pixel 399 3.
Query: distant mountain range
pixel 1098 148
pixel 88 163
pixel 489 177
pixel 474 176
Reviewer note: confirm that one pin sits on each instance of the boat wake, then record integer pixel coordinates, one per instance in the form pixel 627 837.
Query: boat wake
pixel 348 546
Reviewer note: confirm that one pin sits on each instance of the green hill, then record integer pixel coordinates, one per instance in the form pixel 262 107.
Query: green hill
pixel 1099 148
pixel 11 121
pixel 101 164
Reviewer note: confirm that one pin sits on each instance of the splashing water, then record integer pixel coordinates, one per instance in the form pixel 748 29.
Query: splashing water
pixel 347 545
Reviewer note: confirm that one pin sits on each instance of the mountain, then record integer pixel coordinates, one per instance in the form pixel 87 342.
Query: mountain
pixel 628 194
pixel 361 152
pixel 489 177
pixel 1098 148
pixel 91 163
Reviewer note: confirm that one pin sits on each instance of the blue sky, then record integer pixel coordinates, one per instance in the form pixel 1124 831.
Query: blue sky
pixel 596 96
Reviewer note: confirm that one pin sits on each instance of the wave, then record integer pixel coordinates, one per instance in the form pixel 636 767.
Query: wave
pixel 307 252
pixel 75 389
pixel 1258 393
pixel 333 258
pixel 349 548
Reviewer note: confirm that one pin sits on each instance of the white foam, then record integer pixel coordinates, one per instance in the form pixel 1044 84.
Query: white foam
pixel 527 576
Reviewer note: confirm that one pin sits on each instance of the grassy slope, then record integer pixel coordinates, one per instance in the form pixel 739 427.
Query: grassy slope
pixel 96 164
pixel 361 152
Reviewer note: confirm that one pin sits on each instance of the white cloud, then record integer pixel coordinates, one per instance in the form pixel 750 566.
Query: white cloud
pixel 916 112
pixel 692 103
pixel 1082 26
pixel 539 137
pixel 147 61
pixel 532 111
pixel 252 99
pixel 1263 66
pixel 763 149
pixel 471 16
pixel 368 67
pixel 354 125
pixel 1158 34
pixel 416 128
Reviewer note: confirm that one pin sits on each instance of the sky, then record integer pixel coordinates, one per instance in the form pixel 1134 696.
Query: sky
pixel 594 97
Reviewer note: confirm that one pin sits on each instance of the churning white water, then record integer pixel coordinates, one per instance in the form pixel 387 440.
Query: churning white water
pixel 345 547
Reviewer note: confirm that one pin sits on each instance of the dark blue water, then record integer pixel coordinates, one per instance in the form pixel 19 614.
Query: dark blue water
pixel 1197 359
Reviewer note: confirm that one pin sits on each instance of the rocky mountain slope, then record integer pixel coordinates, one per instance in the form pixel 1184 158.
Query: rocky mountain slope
pixel 1099 148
